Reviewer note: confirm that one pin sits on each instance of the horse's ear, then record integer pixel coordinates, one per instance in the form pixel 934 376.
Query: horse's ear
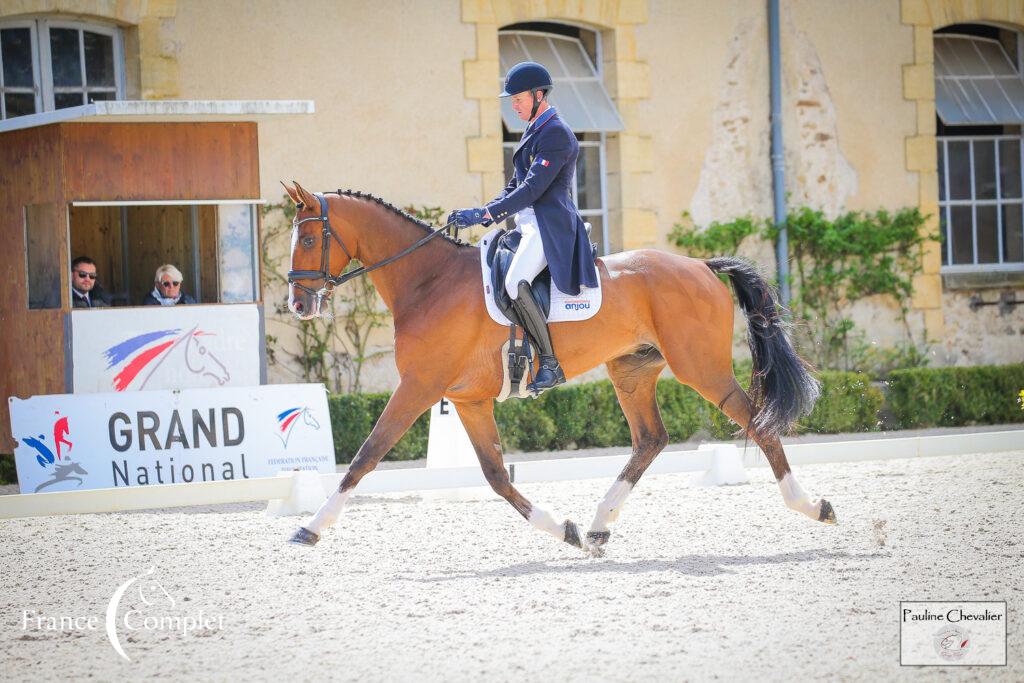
pixel 291 192
pixel 307 199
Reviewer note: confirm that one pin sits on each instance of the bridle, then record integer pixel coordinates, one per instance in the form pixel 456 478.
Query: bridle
pixel 327 234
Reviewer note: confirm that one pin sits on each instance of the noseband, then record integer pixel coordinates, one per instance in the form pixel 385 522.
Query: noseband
pixel 327 234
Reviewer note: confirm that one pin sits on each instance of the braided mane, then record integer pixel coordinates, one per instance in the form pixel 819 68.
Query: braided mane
pixel 427 227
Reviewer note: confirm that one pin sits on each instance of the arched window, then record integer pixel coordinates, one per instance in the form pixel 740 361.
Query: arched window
pixel 979 102
pixel 573 56
pixel 48 64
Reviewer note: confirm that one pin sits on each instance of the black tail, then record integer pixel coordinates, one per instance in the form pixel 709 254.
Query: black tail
pixel 782 389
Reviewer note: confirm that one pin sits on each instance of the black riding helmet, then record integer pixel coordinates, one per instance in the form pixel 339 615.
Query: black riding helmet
pixel 527 76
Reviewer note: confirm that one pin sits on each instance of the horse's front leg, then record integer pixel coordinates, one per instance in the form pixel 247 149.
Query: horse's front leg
pixel 478 419
pixel 406 404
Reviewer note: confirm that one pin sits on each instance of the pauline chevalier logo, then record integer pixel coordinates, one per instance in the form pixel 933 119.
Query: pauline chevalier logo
pixel 952 643
pixel 953 633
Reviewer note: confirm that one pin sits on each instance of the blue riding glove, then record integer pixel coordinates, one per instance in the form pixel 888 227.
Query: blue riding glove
pixel 464 218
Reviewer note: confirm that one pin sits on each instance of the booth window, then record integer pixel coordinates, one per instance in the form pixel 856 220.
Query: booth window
pixel 46 64
pixel 979 103
pixel 213 243
pixel 572 55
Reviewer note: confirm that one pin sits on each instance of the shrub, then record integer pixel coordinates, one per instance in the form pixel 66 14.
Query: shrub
pixel 352 418
pixel 848 403
pixel 523 426
pixel 588 415
pixel 943 397
pixel 682 410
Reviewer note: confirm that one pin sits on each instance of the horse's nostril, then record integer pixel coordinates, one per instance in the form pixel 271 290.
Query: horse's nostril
pixel 298 307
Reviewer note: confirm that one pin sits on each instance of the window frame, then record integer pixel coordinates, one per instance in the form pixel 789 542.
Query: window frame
pixel 32 26
pixel 946 204
pixel 571 81
pixel 251 206
pixel 42 60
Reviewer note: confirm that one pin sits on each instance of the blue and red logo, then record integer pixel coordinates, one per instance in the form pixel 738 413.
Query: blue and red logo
pixel 138 357
pixel 288 419
pixel 63 468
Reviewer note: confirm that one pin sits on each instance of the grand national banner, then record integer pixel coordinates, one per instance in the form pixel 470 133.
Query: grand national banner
pixel 85 441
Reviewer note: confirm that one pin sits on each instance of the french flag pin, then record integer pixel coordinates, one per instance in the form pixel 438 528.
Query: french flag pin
pixel 543 162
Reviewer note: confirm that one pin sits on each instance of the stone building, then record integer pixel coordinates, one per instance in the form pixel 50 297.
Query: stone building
pixel 887 104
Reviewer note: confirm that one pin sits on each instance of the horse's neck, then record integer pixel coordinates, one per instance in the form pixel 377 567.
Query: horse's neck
pixel 382 234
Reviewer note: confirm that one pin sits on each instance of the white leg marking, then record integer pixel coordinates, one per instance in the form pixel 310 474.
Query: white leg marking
pixel 328 512
pixel 543 520
pixel 796 498
pixel 609 508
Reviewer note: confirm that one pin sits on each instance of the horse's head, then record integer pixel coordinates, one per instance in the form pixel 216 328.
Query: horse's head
pixel 307 417
pixel 318 254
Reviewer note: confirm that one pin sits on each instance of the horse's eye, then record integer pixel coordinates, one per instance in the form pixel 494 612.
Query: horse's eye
pixel 307 242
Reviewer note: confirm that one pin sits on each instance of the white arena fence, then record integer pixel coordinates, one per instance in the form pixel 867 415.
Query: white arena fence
pixel 298 492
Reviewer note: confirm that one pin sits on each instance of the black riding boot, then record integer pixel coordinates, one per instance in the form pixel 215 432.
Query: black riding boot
pixel 550 372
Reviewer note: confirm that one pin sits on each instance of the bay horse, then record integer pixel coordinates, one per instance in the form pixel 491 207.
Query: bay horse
pixel 658 308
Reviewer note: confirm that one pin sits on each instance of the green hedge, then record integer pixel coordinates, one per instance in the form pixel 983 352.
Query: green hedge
pixel 947 397
pixel 352 418
pixel 588 416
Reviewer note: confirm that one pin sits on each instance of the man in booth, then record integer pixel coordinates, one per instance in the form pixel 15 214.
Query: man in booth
pixel 85 291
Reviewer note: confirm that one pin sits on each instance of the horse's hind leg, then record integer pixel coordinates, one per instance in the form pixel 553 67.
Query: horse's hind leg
pixel 635 378
pixel 733 401
pixel 404 406
pixel 478 419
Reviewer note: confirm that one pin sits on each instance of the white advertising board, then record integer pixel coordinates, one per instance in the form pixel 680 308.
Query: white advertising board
pixel 165 347
pixel 69 442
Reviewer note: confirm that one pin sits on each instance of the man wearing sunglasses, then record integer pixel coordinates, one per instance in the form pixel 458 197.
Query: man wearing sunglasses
pixel 85 292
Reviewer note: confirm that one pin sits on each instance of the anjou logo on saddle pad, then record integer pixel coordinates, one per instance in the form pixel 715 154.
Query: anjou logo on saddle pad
pixel 564 307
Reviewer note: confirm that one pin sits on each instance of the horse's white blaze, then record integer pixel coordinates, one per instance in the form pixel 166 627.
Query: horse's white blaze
pixel 796 498
pixel 295 241
pixel 543 520
pixel 609 508
pixel 328 512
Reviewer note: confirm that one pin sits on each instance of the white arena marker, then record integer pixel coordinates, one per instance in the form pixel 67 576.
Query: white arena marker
pixel 726 466
pixel 306 496
pixel 448 446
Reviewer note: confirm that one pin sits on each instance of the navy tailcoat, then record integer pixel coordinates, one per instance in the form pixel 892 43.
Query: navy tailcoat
pixel 545 162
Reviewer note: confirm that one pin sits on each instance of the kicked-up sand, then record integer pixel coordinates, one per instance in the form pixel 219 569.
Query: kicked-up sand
pixel 697 584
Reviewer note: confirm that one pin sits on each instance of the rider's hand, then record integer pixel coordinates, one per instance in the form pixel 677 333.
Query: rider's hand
pixel 464 218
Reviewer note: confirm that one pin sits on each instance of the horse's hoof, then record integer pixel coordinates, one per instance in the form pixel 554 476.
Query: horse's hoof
pixel 827 514
pixel 598 538
pixel 572 534
pixel 304 536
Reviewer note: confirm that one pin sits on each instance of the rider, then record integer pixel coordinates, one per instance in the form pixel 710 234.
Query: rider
pixel 539 196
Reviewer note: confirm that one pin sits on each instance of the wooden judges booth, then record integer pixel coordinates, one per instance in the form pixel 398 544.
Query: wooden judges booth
pixel 132 185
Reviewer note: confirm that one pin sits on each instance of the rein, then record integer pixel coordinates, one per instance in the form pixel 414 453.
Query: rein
pixel 325 255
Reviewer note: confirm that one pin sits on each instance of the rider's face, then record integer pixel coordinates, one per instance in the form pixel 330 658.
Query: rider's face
pixel 522 104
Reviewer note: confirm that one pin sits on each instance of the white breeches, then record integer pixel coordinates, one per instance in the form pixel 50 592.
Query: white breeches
pixel 529 258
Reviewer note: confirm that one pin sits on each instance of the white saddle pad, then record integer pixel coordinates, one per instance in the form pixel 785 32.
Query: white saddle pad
pixel 564 308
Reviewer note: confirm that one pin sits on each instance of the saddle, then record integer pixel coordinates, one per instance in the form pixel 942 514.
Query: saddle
pixel 499 258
